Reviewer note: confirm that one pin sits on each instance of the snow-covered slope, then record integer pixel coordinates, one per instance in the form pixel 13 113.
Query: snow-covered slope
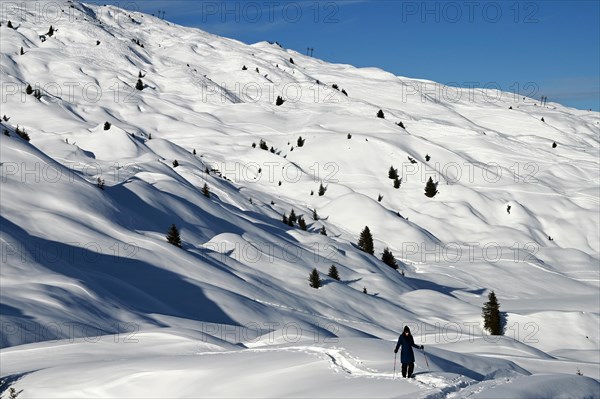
pixel 96 303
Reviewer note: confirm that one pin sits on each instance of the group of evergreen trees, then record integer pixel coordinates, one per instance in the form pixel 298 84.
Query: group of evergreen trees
pixel 314 279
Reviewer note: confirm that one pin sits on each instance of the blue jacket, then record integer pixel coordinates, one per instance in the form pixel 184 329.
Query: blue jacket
pixel 407 342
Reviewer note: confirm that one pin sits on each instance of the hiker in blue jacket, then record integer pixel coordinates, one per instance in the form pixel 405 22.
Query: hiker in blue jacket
pixel 407 356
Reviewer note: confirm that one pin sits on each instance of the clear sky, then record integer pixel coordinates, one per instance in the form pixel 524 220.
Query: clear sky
pixel 536 48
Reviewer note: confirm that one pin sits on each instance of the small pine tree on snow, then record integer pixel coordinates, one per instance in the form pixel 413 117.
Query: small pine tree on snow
pixel 323 231
pixel 397 183
pixel 290 222
pixel 293 217
pixel 365 241
pixel 100 183
pixel 344 92
pixel 333 273
pixel 22 51
pixel 6 132
pixel 365 290
pixel 315 215
pixel 554 145
pixel 50 31
pixel 322 190
pixel 97 42
pixel 10 25
pixel 5 118
pixel 279 184
pixel 29 89
pixel 139 85
pixel 314 279
pixel 175 163
pixel 335 86
pixel 302 223
pixel 349 136
pixel 427 157
pixel 279 101
pixel 543 119
pixel 389 259
pixel 284 219
pixel 173 236
pixel 22 134
pixel 380 114
pixel 491 315
pixel 401 124
pixel 301 141
pixel 253 145
pixel 107 125
pixel 291 60
pixel 431 188
pixel 272 150
pixel 257 71
pixel 379 198
pixel 263 145
pixel 194 151
pixel 244 68
pixel 393 173
pixel 206 191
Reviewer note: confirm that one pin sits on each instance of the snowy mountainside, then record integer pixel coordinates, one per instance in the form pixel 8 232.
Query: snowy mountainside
pixel 87 270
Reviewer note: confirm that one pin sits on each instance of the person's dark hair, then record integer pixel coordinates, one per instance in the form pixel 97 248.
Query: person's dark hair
pixel 407 330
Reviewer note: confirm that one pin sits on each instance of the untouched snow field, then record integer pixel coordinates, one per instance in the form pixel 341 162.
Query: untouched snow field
pixel 95 303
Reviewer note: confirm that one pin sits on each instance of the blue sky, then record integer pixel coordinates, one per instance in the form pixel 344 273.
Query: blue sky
pixel 536 48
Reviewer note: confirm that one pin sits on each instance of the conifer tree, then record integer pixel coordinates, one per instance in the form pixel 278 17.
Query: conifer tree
pixel 431 188
pixel 50 31
pixel 314 279
pixel 293 217
pixel 173 236
pixel 263 145
pixel 401 124
pixel 279 101
pixel 491 315
pixel 107 125
pixel 22 51
pixel 139 85
pixel 333 273
pixel 29 89
pixel 244 68
pixel 393 173
pixel 302 223
pixel 322 190
pixel 175 163
pixel 323 231
pixel 389 259
pixel 365 290
pixel 380 114
pixel 397 183
pixel 284 219
pixel 315 214
pixel 365 242
pixel 301 141
pixel 206 190
pixel 10 25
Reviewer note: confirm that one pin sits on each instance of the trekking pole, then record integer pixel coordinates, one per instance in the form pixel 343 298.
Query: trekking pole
pixel 426 362
pixel 395 354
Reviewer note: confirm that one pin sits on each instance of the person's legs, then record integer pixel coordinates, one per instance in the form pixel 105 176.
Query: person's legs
pixel 411 368
pixel 404 366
